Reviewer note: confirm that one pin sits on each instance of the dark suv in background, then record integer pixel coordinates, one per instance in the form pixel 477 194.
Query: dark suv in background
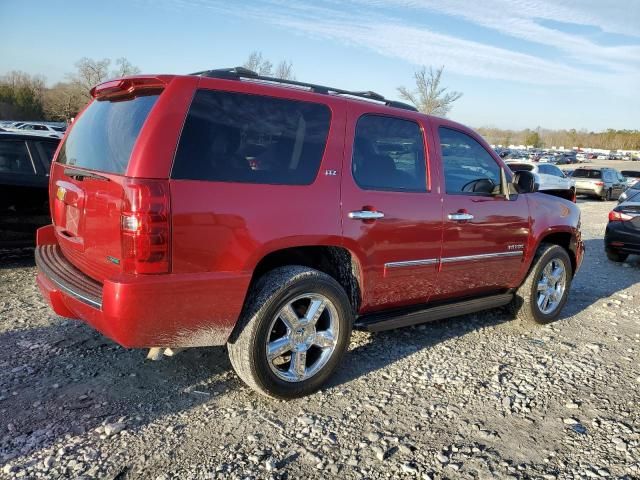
pixel 24 181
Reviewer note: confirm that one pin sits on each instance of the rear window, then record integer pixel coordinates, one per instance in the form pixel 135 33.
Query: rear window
pixel 103 137
pixel 631 173
pixel 581 173
pixel 518 167
pixel 235 137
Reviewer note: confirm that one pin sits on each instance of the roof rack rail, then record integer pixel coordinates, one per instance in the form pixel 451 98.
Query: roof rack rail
pixel 238 73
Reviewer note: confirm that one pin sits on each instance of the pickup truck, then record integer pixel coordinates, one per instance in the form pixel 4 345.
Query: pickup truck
pixel 274 216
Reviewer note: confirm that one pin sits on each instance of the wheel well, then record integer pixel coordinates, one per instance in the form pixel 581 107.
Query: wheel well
pixel 337 262
pixel 565 240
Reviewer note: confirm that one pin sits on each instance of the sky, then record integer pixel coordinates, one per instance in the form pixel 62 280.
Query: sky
pixel 518 63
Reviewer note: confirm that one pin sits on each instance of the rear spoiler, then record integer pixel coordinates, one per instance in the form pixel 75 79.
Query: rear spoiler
pixel 129 85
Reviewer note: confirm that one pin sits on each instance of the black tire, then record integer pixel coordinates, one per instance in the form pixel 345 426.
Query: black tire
pixel 247 345
pixel 524 305
pixel 615 255
pixel 609 195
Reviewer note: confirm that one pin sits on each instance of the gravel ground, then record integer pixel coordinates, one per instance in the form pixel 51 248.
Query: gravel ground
pixel 473 397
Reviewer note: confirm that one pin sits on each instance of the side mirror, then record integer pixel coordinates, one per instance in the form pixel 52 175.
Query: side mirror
pixel 525 182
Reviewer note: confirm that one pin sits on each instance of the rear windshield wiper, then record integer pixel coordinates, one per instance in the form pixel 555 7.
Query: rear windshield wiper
pixel 80 175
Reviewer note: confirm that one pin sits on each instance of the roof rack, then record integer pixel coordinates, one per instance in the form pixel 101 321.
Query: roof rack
pixel 238 73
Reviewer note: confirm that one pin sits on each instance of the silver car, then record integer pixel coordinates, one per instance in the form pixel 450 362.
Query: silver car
pixel 602 183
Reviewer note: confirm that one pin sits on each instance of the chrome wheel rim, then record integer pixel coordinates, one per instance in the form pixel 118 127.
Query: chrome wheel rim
pixel 302 337
pixel 551 286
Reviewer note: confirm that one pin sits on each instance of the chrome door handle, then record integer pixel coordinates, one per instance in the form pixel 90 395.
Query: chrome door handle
pixel 365 215
pixel 459 217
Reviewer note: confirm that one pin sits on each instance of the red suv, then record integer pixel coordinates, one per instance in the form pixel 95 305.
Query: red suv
pixel 225 208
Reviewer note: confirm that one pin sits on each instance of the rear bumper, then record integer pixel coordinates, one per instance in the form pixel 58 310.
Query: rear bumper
pixel 622 239
pixel 595 190
pixel 140 311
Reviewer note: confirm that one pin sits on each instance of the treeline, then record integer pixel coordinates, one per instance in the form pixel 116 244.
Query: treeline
pixel 609 139
pixel 26 97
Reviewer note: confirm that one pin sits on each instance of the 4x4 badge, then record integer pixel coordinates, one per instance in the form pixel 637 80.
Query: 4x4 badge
pixel 331 173
pixel 516 247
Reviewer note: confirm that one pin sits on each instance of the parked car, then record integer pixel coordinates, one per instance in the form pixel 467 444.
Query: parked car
pixel 39 128
pixel 602 183
pixel 551 179
pixel 622 236
pixel 164 236
pixel 630 192
pixel 631 176
pixel 24 182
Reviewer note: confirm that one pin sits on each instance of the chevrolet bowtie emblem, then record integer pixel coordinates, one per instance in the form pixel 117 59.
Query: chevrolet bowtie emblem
pixel 61 193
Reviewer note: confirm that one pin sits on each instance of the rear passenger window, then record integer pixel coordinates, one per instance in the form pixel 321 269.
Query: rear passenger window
pixel 468 168
pixel 236 137
pixel 47 150
pixel 388 154
pixel 14 158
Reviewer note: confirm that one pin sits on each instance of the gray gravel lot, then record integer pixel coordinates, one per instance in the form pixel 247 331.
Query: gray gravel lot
pixel 478 396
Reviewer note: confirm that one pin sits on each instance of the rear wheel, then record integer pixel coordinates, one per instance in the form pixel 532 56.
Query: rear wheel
pixel 293 332
pixel 615 255
pixel 543 294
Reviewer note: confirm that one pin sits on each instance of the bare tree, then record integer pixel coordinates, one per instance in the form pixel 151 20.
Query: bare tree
pixel 262 66
pixel 257 63
pixel 124 68
pixel 63 101
pixel 429 97
pixel 284 70
pixel 89 73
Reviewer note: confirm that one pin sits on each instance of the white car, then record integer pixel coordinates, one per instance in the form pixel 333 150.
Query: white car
pixel 41 129
pixel 550 178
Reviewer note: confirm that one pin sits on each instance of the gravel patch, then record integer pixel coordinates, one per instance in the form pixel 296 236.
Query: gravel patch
pixel 475 397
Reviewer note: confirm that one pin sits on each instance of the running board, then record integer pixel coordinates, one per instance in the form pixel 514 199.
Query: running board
pixel 378 322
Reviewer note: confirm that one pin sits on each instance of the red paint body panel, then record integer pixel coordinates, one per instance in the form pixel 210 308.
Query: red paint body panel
pixel 219 231
pixel 410 230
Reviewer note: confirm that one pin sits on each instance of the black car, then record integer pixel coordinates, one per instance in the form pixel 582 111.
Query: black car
pixel 622 236
pixel 24 186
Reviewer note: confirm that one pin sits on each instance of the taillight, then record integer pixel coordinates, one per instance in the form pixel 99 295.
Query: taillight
pixel 599 184
pixel 619 216
pixel 144 226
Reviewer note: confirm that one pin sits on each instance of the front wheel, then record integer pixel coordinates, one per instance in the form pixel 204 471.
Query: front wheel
pixel 293 331
pixel 543 294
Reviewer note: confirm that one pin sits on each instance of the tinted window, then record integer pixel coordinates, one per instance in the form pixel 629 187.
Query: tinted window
pixel 103 137
pixel 468 167
pixel 14 158
pixel 235 137
pixel 583 173
pixel 388 154
pixel 631 173
pixel 518 167
pixel 46 151
pixel 550 170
